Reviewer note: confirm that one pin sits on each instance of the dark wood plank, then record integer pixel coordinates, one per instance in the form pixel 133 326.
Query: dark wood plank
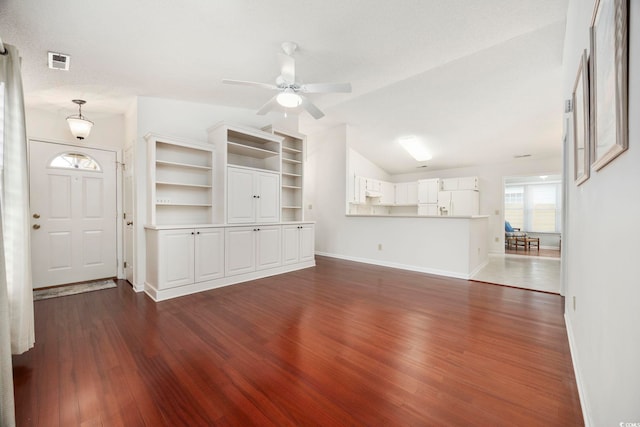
pixel 339 344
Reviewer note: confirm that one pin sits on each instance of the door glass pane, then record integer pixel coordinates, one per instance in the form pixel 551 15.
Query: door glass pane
pixel 75 161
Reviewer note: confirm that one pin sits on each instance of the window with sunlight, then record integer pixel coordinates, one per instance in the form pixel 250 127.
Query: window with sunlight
pixel 534 206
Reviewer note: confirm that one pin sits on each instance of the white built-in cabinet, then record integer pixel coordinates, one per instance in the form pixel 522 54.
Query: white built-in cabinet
pixel 292 172
pixel 179 181
pixel 215 209
pixel 248 249
pixel 178 257
pixel 252 196
pixel 298 243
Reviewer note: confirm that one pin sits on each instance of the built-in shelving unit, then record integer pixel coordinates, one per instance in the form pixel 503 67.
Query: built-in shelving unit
pixel 180 181
pixel 292 171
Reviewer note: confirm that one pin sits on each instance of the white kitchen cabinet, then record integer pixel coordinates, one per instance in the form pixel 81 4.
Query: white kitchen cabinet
pixel 387 192
pixel 248 249
pixel 428 191
pixel 252 196
pixel 406 193
pixel 428 209
pixel 297 243
pixel 178 257
pixel 463 183
pixel 412 193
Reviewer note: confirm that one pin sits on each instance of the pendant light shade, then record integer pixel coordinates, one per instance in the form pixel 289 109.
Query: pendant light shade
pixel 79 126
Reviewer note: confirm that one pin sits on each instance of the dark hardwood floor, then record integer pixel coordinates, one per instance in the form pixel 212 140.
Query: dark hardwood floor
pixel 339 344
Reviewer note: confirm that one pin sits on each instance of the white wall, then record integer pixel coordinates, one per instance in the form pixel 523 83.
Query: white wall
pixel 602 253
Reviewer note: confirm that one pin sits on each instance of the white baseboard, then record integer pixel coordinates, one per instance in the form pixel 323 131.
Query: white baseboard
pixel 576 371
pixel 454 274
pixel 179 291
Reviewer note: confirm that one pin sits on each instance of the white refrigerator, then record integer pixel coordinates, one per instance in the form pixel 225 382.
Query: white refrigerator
pixel 458 203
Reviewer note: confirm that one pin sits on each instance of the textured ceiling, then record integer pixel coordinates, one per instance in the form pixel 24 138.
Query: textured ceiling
pixel 477 81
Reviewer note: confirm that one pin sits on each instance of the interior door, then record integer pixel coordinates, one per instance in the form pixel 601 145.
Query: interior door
pixel 73 207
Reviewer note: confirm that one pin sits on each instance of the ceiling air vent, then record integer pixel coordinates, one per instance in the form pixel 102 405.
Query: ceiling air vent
pixel 59 61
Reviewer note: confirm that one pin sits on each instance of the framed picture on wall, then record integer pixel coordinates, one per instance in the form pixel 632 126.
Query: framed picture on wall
pixel 609 80
pixel 580 101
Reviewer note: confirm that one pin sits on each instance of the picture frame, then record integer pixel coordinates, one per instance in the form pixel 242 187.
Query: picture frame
pixel 609 36
pixel 580 100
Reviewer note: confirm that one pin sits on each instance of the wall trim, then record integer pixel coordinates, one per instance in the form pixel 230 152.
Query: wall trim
pixel 437 272
pixel 579 382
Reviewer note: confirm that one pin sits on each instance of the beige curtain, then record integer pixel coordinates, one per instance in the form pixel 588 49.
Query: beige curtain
pixel 16 294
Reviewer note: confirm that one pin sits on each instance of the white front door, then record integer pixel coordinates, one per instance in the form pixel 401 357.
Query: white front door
pixel 73 209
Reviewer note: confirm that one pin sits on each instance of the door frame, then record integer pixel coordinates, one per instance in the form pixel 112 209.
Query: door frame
pixel 119 201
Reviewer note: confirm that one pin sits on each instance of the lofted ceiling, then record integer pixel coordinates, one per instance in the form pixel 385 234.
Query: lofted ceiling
pixel 476 82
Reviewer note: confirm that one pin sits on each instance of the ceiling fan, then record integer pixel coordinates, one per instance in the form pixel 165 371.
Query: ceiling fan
pixel 289 89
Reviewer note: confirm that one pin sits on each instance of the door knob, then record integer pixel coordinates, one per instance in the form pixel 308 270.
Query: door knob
pixel 36 216
pixel 129 222
pixel 36 226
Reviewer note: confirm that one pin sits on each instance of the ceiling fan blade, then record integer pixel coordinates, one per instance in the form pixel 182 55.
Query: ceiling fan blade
pixel 287 67
pixel 246 83
pixel 325 87
pixel 311 108
pixel 270 105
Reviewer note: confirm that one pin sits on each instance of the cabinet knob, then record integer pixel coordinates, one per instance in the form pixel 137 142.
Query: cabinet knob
pixel 36 215
pixel 197 232
pixel 192 233
pixel 36 226
pixel 257 197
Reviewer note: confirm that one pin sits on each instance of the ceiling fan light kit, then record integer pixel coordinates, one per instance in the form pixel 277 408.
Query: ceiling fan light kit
pixel 289 99
pixel 290 90
pixel 79 126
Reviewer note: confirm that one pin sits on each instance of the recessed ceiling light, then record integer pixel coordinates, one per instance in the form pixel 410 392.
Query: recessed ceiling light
pixel 520 156
pixel 415 148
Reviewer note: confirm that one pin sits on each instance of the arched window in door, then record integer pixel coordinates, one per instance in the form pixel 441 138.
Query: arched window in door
pixel 75 161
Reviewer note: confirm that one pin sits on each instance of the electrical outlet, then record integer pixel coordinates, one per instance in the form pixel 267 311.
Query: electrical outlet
pixel 497 211
pixel 310 206
pixel 379 246
pixel 574 303
pixel 497 239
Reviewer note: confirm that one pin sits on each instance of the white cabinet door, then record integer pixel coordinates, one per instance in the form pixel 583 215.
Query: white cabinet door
pixel 239 250
pixel 240 196
pixel 252 196
pixel 290 244
pixel 428 190
pixel 268 250
pixel 267 190
pixel 412 193
pixel 209 254
pixel 402 193
pixel 175 258
pixel 468 183
pixel 298 243
pixel 307 243
pixel 387 190
pixel 360 189
pixel 450 184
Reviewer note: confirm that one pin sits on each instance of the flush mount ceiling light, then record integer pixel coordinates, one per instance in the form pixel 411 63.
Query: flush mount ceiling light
pixel 79 126
pixel 289 99
pixel 415 148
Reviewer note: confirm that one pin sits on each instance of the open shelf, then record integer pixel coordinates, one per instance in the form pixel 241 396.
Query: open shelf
pixel 181 184
pixel 249 151
pixel 181 165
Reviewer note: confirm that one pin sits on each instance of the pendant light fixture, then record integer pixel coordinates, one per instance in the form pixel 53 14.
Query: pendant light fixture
pixel 79 126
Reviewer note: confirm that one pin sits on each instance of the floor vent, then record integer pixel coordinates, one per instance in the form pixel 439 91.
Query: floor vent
pixel 59 61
